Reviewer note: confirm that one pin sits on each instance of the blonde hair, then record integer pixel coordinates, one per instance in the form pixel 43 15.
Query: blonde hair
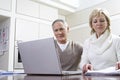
pixel 98 12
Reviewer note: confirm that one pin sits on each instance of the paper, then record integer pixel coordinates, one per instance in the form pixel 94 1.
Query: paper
pixel 111 71
pixel 2 72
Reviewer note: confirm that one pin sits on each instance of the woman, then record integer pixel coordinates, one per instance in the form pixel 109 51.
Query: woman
pixel 102 49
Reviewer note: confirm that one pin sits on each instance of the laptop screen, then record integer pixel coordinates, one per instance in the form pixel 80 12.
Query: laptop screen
pixel 40 57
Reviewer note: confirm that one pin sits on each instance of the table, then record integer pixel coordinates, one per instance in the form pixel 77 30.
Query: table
pixel 72 77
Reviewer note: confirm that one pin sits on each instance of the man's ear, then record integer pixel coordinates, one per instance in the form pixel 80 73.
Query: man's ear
pixel 67 29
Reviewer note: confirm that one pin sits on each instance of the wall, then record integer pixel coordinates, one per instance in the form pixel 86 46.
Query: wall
pixel 79 33
pixel 4 42
pixel 27 21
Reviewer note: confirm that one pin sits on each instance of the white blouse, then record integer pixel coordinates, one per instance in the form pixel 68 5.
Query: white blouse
pixel 101 52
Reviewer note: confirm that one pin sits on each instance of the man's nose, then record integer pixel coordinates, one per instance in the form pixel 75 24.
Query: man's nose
pixel 59 31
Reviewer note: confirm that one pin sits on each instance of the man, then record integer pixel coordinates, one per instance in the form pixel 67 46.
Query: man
pixel 69 51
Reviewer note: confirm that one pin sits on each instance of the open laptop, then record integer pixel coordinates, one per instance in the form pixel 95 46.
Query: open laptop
pixel 41 57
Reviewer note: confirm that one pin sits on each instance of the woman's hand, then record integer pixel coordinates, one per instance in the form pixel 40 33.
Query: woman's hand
pixel 87 67
pixel 117 65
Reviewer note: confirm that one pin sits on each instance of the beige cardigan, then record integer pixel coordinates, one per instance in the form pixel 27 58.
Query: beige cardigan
pixel 70 57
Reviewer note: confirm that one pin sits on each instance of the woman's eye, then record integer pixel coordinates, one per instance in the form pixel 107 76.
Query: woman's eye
pixel 102 20
pixel 95 21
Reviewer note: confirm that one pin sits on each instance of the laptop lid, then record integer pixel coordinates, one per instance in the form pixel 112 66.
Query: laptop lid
pixel 39 57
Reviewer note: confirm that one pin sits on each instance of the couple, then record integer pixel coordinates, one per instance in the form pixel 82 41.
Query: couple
pixel 100 51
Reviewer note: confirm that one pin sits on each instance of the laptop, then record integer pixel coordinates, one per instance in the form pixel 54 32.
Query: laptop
pixel 41 57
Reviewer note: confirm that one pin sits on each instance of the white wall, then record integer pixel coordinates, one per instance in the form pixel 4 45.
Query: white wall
pixel 79 33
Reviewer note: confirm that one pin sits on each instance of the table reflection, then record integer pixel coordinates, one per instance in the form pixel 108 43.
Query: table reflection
pixel 52 78
pixel 77 77
pixel 4 77
pixel 42 78
pixel 100 77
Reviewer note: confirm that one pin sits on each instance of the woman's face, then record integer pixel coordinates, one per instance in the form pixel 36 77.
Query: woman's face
pixel 99 24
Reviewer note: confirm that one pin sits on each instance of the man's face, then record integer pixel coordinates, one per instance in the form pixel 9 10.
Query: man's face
pixel 60 32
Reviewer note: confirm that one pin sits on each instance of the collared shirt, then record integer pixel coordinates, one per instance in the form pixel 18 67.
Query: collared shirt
pixel 63 46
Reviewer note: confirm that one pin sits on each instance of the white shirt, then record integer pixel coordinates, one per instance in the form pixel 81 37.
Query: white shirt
pixel 63 46
pixel 102 52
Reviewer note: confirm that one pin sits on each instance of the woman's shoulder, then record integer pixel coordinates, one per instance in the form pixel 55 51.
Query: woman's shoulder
pixel 87 40
pixel 115 37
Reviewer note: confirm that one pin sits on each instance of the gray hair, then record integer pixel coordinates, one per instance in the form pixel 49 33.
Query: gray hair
pixel 60 20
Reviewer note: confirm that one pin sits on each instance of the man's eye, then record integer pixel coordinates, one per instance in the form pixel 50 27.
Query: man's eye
pixel 61 29
pixel 56 30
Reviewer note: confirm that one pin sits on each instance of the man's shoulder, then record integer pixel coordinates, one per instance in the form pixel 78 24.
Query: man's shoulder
pixel 75 43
